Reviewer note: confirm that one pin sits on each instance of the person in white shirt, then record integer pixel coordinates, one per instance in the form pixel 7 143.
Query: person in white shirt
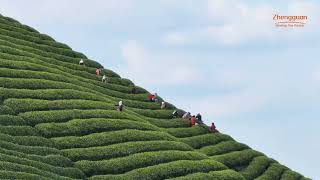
pixel 81 62
pixel 186 115
pixel 105 78
pixel 120 106
pixel 163 105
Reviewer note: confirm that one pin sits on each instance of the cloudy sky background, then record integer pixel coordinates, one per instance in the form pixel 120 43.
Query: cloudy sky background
pixel 223 58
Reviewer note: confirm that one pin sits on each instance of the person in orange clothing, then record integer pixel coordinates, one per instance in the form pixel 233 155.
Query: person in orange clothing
pixel 213 128
pixel 193 120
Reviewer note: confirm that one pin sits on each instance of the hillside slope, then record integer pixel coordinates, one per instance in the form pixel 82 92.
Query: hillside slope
pixel 59 121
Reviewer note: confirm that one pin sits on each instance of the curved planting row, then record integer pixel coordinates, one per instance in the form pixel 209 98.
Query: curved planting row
pixel 29 149
pixel 54 160
pixel 123 149
pixel 108 138
pixel 187 131
pixel 224 174
pixel 200 141
pixel 32 52
pixel 257 167
pixel 135 161
pixel 37 117
pixel 9 166
pixel 78 127
pixel 237 160
pixel 61 171
pixel 18 130
pixel 274 171
pixel 168 170
pixel 21 175
pixel 223 147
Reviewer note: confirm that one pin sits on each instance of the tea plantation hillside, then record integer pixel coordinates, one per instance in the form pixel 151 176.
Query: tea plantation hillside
pixel 59 121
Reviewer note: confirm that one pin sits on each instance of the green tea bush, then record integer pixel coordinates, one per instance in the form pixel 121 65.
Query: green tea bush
pixel 95 86
pixel 14 23
pixel 54 160
pixel 37 84
pixel 108 138
pixel 8 166
pixel 79 127
pixel 160 114
pixel 187 132
pixel 9 67
pixel 221 175
pixel 237 158
pixel 257 166
pixel 123 149
pixel 18 130
pixel 4 25
pixel 290 175
pixel 21 175
pixel 169 123
pixel 49 94
pixel 200 141
pixel 66 171
pixel 32 51
pixel 5 110
pixel 37 117
pixel 61 82
pixel 9 36
pixel 223 147
pixel 167 170
pixel 27 140
pixel 62 68
pixel 25 105
pixel 9 120
pixel 135 161
pixel 74 68
pixel 274 171
pixel 37 150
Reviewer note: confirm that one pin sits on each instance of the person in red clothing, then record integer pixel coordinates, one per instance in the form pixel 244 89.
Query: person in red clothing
pixel 150 97
pixel 193 120
pixel 213 128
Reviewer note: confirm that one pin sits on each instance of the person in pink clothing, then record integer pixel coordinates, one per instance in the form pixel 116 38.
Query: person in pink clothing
pixel 193 120
pixel 98 71
pixel 213 128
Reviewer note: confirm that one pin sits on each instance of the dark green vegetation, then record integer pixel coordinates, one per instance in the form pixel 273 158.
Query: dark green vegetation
pixel 59 121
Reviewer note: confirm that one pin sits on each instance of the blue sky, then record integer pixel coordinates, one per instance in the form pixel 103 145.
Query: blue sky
pixel 223 58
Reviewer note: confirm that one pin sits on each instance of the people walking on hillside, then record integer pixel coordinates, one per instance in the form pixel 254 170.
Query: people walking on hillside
pixel 163 105
pixel 186 115
pixel 81 62
pixel 193 120
pixel 199 118
pixel 213 128
pixel 105 79
pixel 98 71
pixel 175 114
pixel 120 106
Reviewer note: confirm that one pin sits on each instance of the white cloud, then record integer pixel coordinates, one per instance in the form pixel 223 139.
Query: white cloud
pixel 237 22
pixel 316 76
pixel 175 39
pixel 149 67
pixel 67 12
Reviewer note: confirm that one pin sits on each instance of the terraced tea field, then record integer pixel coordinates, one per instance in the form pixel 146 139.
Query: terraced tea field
pixel 59 121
